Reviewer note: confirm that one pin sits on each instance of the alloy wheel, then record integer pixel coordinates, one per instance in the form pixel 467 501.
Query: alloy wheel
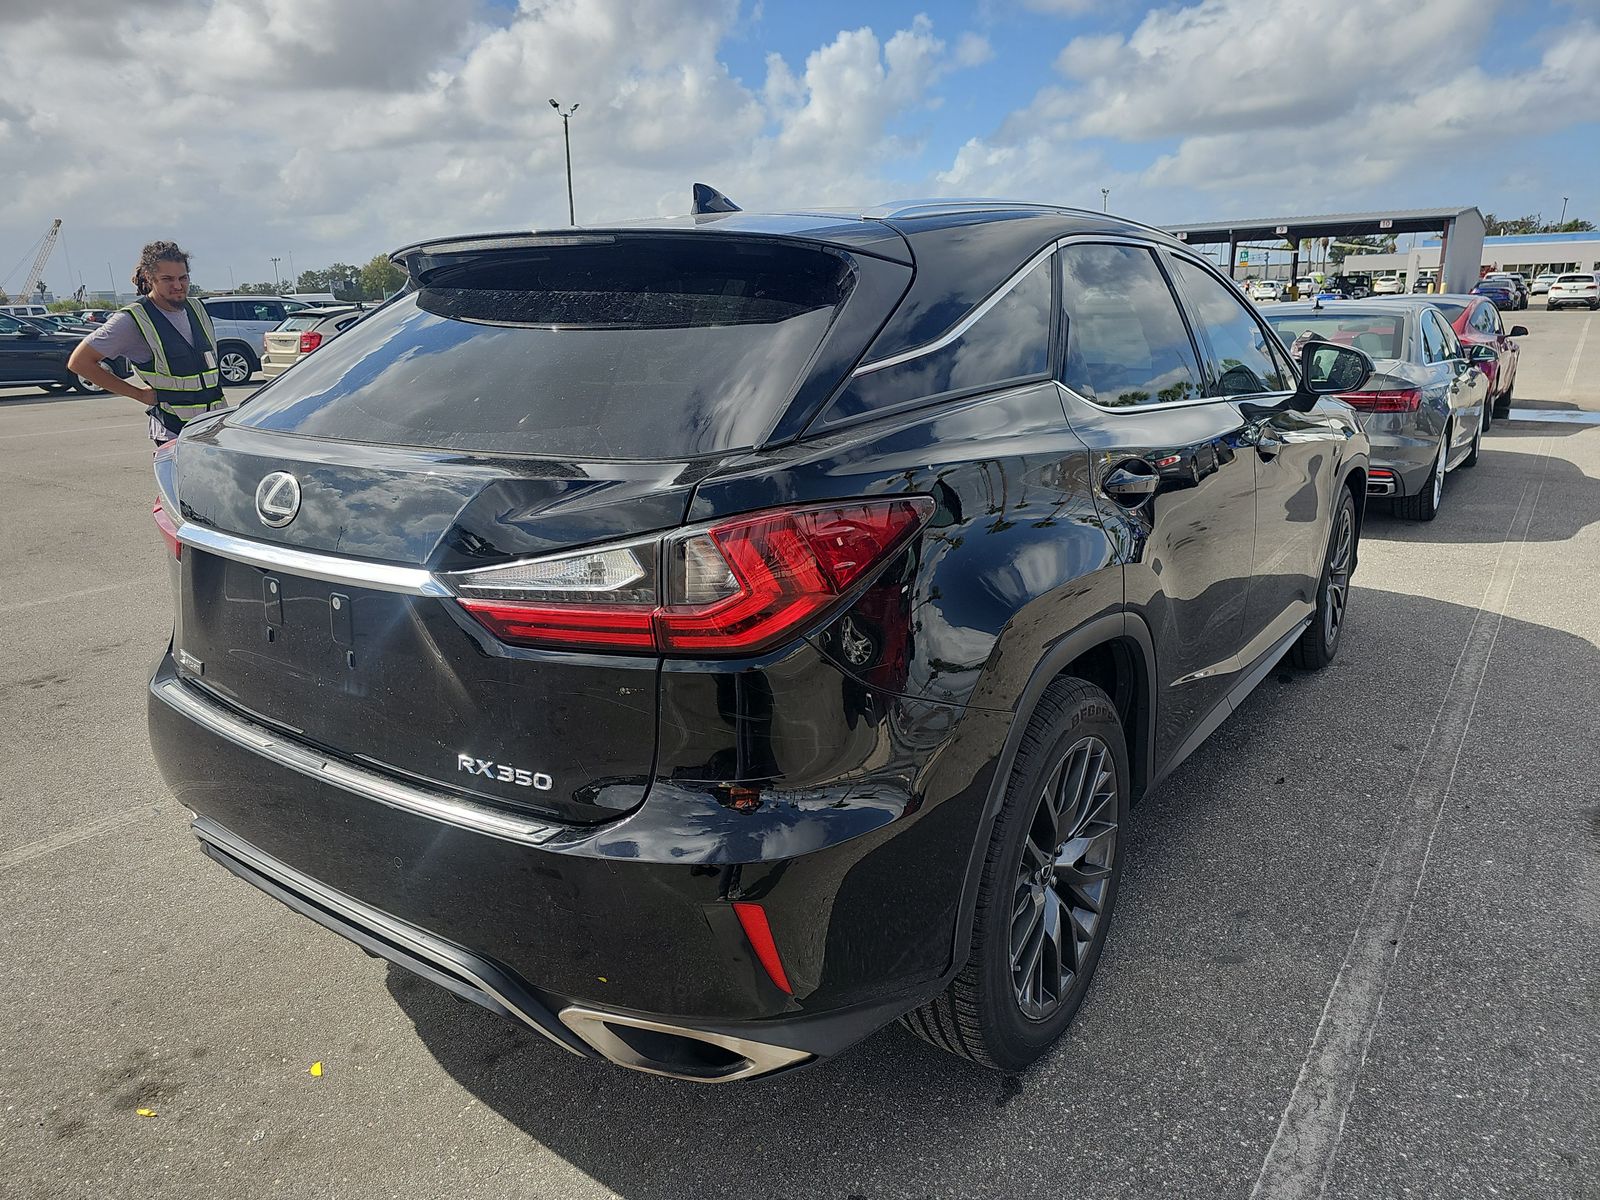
pixel 1063 880
pixel 1338 585
pixel 1439 469
pixel 235 367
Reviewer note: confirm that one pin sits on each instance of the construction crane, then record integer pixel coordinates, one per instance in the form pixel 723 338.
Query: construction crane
pixel 35 271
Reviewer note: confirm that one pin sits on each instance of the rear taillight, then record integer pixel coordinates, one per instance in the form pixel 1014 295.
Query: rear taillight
pixel 168 527
pixel 309 341
pixel 1391 401
pixel 739 586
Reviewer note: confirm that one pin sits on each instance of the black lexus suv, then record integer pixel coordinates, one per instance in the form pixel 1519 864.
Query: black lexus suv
pixel 709 639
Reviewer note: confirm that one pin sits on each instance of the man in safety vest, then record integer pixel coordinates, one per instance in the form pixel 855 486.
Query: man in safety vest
pixel 169 340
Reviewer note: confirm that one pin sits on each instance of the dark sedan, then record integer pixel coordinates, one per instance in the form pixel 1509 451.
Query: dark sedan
pixel 708 639
pixel 1423 408
pixel 34 354
pixel 1501 292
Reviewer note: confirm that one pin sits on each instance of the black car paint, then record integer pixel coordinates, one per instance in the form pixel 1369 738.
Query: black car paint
pixel 852 802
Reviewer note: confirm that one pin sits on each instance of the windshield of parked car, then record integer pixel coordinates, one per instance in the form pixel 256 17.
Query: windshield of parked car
pixel 1380 335
pixel 1575 279
pixel 628 348
pixel 1450 309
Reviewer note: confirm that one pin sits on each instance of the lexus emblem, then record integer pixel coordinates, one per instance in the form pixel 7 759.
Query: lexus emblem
pixel 277 499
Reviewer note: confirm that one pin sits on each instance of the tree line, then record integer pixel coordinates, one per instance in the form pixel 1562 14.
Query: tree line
pixel 379 278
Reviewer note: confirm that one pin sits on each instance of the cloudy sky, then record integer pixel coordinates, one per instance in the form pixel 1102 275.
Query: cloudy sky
pixel 334 130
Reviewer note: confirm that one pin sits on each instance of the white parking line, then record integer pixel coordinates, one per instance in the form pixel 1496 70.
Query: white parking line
pixel 78 833
pixel 1577 354
pixel 1302 1154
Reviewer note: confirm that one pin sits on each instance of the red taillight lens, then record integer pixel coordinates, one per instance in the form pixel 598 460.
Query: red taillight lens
pixel 309 341
pixel 780 570
pixel 737 587
pixel 1395 400
pixel 753 919
pixel 567 626
pixel 169 529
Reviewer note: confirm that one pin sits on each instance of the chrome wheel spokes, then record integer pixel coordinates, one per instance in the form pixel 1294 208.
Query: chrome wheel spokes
pixel 1064 878
pixel 1338 586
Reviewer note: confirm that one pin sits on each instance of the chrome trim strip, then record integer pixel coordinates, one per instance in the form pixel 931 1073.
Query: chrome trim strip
pixel 367 918
pixel 330 568
pixel 369 785
pixel 971 318
pixel 760 1058
pixel 961 326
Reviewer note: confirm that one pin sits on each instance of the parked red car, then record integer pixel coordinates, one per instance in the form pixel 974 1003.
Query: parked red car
pixel 1477 322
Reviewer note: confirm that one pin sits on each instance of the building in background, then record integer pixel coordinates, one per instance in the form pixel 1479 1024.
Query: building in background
pixel 1528 253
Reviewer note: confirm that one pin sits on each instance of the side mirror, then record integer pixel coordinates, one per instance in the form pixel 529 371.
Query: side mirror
pixel 1327 369
pixel 1518 331
pixel 29 331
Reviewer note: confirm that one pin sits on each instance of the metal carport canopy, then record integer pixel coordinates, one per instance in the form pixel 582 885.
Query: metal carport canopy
pixel 1413 220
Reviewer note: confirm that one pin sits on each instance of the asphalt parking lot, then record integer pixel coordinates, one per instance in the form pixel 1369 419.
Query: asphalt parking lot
pixel 1361 926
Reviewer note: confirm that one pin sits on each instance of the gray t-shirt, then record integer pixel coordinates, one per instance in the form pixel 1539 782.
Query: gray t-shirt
pixel 120 337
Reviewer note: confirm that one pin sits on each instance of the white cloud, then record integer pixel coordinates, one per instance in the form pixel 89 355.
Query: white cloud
pixel 248 128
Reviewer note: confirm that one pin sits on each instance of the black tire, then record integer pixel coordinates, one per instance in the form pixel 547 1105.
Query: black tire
pixel 1318 646
pixel 237 362
pixel 1425 505
pixel 56 389
pixel 980 1016
pixel 1502 406
pixel 1471 460
pixel 87 387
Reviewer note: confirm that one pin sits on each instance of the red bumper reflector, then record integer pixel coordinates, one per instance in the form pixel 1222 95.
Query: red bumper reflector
pixel 754 919
pixel 169 531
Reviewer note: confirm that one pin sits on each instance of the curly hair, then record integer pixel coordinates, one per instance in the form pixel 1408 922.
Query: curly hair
pixel 153 253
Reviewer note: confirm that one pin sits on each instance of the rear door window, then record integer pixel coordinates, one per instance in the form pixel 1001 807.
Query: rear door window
pixel 643 347
pixel 1127 344
pixel 1243 364
pixel 1009 343
pixel 1433 347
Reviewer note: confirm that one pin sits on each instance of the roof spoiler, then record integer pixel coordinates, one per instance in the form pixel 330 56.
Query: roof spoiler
pixel 708 200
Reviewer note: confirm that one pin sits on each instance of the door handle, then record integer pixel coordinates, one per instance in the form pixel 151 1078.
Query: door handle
pixel 1131 487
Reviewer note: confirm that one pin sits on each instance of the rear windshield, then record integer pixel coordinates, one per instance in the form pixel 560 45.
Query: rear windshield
pixel 299 322
pixel 1576 279
pixel 1380 335
pixel 632 348
pixel 1449 309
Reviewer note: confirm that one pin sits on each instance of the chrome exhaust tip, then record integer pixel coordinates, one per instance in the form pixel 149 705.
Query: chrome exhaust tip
pixel 676 1052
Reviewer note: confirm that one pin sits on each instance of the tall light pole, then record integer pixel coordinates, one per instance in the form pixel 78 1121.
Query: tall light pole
pixel 566 133
pixel 1563 220
pixel 277 284
pixel 1105 199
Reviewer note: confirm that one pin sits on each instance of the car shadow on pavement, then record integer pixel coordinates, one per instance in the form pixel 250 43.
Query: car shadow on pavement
pixel 1235 913
pixel 1481 502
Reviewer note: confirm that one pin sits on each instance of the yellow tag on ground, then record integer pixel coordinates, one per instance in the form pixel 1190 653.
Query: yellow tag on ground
pixel 316 1069
pixel 146 1112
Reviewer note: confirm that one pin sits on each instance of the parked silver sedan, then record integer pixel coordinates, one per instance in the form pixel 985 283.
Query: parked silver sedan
pixel 1423 407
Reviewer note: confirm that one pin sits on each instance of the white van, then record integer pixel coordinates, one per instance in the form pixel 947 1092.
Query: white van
pixel 25 310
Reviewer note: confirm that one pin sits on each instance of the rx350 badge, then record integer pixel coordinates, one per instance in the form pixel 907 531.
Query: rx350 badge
pixel 501 773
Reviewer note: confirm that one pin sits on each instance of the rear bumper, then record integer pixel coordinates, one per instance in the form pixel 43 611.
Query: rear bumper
pixel 618 941
pixel 1406 451
pixel 276 364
